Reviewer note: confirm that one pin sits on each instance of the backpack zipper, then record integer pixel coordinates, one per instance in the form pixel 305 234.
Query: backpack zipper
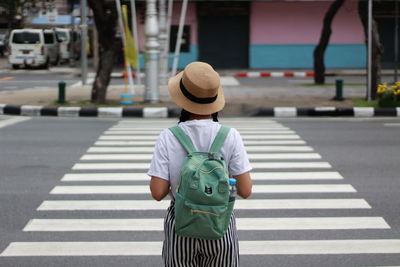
pixel 210 171
pixel 204 212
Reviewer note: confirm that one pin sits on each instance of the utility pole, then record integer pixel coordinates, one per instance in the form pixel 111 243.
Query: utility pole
pixel 179 37
pixel 135 39
pixel 71 37
pixel 152 53
pixel 162 37
pixel 396 41
pixel 369 85
pixel 84 41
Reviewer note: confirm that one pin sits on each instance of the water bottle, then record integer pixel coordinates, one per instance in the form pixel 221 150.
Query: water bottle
pixel 232 189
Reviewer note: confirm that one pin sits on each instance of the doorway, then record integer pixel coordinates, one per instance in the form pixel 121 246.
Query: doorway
pixel 223 34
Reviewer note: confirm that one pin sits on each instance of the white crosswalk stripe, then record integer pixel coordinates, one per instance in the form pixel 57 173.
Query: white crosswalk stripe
pixel 156 133
pixel 276 247
pixel 151 149
pixel 288 175
pixel 255 165
pixel 245 137
pixel 152 143
pixel 248 204
pixel 247 224
pixel 148 157
pixel 256 176
pixel 144 189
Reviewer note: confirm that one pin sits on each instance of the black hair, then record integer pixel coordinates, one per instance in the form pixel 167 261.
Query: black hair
pixel 185 115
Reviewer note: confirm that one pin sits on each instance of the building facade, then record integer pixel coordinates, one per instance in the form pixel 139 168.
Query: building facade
pixel 270 34
pixel 265 34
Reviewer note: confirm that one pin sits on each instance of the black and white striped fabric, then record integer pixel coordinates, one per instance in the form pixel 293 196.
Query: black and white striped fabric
pixel 179 251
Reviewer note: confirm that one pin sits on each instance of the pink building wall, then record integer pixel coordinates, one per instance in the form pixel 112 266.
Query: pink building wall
pixel 301 23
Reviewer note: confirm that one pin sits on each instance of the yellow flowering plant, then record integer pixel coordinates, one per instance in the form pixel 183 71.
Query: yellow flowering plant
pixel 389 95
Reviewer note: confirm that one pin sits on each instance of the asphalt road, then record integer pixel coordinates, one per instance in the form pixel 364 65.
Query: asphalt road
pixel 31 78
pixel 38 152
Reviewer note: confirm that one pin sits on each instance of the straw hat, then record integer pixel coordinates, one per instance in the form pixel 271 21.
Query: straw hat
pixel 197 89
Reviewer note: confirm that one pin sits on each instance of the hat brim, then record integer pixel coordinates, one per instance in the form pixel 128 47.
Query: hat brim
pixel 196 108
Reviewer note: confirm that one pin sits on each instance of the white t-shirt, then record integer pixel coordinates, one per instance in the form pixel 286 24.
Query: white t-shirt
pixel 169 154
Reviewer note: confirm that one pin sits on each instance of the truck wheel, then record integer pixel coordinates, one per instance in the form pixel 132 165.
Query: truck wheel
pixel 47 64
pixel 15 66
pixel 57 60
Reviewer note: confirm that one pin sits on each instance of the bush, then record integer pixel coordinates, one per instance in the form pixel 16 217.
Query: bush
pixel 389 96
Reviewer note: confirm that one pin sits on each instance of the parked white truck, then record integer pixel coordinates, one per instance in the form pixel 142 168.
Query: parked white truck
pixel 33 47
pixel 67 40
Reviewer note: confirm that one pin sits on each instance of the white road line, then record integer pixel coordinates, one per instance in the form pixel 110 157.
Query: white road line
pixel 278 148
pixel 162 122
pixel 248 204
pixel 125 143
pixel 255 165
pixel 152 143
pixel 146 157
pixel 251 156
pixel 244 133
pixel 240 129
pixel 121 149
pixel 11 121
pixel 154 137
pixel 296 176
pixel 259 176
pixel 144 189
pixel 229 81
pixel 304 188
pixel 392 124
pixel 89 81
pixel 82 249
pixel 150 149
pixel 325 247
pixel 94 177
pixel 290 165
pixel 111 166
pixel 275 247
pixel 247 224
pixel 284 156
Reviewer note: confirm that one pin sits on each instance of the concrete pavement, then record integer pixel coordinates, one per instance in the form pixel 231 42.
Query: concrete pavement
pixel 242 99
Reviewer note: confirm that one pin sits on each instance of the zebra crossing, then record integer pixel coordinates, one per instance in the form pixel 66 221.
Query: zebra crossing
pixel 288 176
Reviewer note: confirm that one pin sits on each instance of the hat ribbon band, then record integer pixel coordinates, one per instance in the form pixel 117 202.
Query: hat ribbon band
pixel 206 100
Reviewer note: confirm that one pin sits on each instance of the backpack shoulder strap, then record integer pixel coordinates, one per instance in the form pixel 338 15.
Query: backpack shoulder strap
pixel 220 139
pixel 183 139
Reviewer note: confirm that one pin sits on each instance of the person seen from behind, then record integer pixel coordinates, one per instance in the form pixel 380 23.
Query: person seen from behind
pixel 197 90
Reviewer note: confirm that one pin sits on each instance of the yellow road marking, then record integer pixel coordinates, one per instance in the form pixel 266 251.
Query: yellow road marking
pixel 6 78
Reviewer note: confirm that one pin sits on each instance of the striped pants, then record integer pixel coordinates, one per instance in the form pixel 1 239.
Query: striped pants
pixel 179 251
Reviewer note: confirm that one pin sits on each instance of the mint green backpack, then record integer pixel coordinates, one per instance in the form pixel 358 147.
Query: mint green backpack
pixel 202 206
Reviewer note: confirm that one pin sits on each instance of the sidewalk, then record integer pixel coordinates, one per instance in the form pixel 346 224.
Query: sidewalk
pixel 241 100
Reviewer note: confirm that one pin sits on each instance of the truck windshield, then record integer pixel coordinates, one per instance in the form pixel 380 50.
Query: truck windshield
pixel 26 38
pixel 61 36
pixel 48 38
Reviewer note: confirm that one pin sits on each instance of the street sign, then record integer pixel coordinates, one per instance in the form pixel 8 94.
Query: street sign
pixel 52 16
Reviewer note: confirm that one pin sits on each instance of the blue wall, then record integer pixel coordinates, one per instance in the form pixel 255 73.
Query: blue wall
pixel 301 56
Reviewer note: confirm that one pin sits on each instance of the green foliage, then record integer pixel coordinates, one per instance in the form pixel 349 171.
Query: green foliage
pixel 389 95
pixel 15 7
pixel 359 102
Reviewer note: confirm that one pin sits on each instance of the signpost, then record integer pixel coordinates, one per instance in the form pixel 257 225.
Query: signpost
pixel 152 53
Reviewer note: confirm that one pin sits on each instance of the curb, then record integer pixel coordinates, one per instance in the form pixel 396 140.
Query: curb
pixel 254 74
pixel 327 112
pixel 124 75
pixel 164 112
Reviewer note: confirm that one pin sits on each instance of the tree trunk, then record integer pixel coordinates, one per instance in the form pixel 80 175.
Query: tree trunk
pixel 319 51
pixel 105 16
pixel 377 47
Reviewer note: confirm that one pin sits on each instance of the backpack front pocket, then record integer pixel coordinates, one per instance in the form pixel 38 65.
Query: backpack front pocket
pixel 201 221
